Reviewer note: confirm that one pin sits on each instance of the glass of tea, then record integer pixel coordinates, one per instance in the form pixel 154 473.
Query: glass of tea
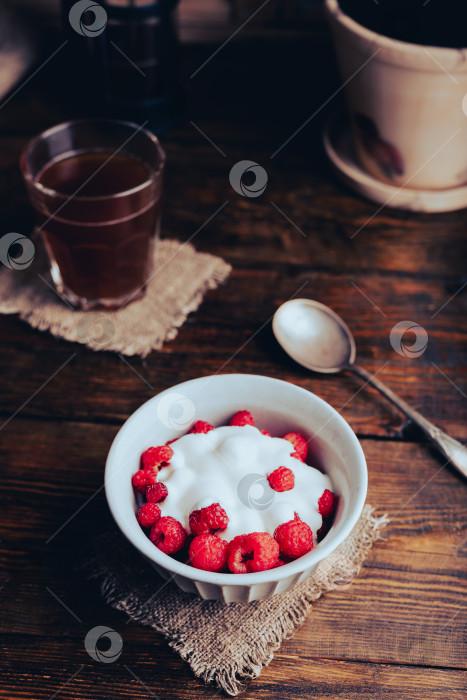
pixel 96 190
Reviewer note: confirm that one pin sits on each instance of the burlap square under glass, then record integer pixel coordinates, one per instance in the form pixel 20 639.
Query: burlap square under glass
pixel 180 278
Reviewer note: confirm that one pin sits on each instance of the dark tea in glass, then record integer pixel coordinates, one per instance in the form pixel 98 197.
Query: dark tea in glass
pixel 96 188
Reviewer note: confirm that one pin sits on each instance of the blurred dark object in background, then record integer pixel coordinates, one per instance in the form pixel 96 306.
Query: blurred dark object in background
pixel 19 47
pixel 277 14
pixel 123 59
pixel 430 23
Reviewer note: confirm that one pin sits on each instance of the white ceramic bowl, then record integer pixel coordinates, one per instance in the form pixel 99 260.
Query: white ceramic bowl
pixel 276 405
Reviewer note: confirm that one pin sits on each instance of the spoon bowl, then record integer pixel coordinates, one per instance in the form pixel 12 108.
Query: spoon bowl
pixel 314 336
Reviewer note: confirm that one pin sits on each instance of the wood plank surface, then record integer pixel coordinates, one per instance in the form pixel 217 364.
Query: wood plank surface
pixel 138 676
pixel 229 335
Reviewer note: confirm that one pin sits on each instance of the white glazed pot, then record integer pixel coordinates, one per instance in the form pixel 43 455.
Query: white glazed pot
pixel 278 406
pixel 407 103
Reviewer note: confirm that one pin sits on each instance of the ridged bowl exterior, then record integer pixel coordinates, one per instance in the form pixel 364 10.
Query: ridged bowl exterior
pixel 232 593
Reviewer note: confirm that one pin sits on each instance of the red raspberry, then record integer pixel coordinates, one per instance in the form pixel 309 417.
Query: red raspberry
pixel 156 457
pixel 234 556
pixel 201 426
pixel 143 478
pixel 254 552
pixel 242 418
pixel 207 520
pixel 148 514
pixel 156 493
pixel 281 479
pixel 299 443
pixel 265 432
pixel 295 538
pixel 326 503
pixel 168 535
pixel 208 552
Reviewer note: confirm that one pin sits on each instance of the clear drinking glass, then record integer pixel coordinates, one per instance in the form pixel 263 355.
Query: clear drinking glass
pixel 96 190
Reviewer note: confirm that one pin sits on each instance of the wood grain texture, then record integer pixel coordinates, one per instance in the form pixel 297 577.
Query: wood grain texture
pixel 138 676
pixel 398 631
pixel 228 334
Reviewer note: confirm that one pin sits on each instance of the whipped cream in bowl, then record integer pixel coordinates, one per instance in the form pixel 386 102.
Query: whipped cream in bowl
pixel 229 465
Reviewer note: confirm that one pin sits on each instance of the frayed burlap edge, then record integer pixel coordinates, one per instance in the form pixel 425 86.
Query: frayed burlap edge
pixel 181 278
pixel 228 661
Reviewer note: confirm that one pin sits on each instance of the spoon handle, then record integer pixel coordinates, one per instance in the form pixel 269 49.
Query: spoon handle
pixel 453 450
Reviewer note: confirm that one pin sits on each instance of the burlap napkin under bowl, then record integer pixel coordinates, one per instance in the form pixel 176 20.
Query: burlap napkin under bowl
pixel 181 276
pixel 224 644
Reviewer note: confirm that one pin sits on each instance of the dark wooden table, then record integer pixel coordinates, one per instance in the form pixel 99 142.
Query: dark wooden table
pixel 398 631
